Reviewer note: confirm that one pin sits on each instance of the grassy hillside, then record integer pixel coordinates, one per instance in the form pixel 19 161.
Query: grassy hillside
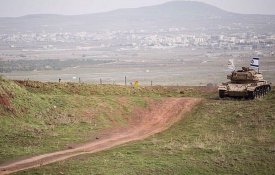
pixel 40 117
pixel 218 137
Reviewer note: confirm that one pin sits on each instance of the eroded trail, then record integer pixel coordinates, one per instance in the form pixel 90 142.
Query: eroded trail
pixel 157 118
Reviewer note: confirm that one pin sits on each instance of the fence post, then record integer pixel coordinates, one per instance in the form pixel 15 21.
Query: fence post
pixel 100 81
pixel 125 80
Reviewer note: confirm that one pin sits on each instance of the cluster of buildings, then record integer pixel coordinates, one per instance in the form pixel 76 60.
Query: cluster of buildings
pixel 236 41
pixel 139 39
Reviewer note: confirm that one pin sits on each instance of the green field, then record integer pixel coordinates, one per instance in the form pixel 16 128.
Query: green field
pixel 40 117
pixel 218 137
pixel 47 117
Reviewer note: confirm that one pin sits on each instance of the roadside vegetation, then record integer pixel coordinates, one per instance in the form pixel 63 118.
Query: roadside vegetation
pixel 218 137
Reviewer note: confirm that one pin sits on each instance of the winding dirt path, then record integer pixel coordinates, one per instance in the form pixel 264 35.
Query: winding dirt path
pixel 158 117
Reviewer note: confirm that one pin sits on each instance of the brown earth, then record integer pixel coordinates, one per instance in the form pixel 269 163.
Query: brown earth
pixel 144 123
pixel 5 101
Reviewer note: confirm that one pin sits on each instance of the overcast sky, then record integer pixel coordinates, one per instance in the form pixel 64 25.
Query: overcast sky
pixel 10 8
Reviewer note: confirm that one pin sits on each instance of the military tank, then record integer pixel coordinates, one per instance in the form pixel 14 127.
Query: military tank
pixel 246 83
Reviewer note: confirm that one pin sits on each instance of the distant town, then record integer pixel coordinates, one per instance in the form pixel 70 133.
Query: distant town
pixel 139 39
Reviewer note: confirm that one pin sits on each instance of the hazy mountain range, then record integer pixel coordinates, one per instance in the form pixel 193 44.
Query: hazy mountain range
pixel 184 14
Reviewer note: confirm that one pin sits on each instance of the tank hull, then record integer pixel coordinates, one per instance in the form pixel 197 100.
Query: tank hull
pixel 249 91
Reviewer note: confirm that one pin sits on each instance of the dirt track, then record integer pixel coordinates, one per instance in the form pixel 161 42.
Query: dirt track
pixel 157 118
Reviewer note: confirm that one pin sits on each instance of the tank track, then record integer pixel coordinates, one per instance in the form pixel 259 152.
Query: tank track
pixel 259 92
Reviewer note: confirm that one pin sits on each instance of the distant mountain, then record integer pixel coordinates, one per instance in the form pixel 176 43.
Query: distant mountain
pixel 188 14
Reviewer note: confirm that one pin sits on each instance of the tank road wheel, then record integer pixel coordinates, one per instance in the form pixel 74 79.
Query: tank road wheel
pixel 221 93
pixel 265 90
pixel 268 88
pixel 261 90
pixel 257 93
pixel 252 95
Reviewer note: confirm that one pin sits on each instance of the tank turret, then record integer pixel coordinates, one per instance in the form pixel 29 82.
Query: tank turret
pixel 246 83
pixel 245 75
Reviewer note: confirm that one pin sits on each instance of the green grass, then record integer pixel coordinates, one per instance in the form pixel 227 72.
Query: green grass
pixel 41 121
pixel 218 137
pixel 112 90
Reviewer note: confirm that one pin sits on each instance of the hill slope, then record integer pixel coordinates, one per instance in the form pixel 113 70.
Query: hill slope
pixel 38 117
pixel 218 137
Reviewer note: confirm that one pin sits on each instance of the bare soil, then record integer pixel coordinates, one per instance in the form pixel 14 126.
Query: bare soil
pixel 144 123
pixel 5 101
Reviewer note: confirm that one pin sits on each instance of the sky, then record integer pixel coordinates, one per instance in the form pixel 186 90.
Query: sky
pixel 14 8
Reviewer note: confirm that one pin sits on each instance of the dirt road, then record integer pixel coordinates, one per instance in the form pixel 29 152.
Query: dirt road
pixel 143 123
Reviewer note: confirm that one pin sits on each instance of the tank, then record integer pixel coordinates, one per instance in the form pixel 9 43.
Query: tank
pixel 246 83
